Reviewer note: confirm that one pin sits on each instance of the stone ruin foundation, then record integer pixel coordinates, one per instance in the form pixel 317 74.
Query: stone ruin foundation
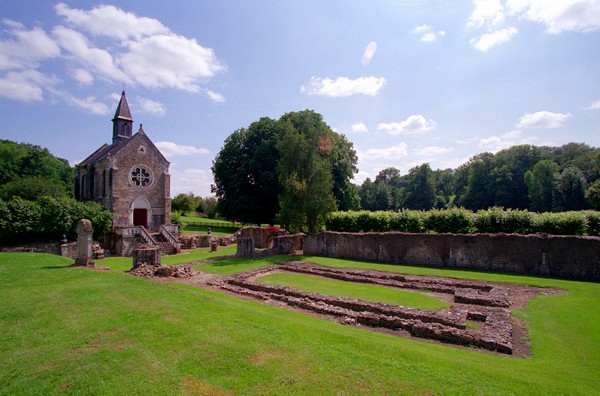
pixel 487 306
pixel 157 270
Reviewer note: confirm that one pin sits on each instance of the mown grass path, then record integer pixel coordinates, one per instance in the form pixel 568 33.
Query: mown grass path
pixel 68 330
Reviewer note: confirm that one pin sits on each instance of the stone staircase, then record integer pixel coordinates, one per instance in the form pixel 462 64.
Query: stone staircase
pixel 166 247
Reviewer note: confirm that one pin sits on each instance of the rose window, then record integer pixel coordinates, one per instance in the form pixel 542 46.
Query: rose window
pixel 140 177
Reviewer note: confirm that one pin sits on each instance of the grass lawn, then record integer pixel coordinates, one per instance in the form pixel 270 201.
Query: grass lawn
pixel 187 256
pixel 75 331
pixel 332 287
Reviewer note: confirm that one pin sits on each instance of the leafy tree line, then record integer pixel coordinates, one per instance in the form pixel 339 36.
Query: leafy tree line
pixel 464 221
pixel 542 179
pixel 188 203
pixel 294 170
pixel 30 172
pixel 36 197
pixel 48 218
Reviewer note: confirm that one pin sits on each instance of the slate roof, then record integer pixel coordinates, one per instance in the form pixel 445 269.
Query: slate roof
pixel 123 111
pixel 107 150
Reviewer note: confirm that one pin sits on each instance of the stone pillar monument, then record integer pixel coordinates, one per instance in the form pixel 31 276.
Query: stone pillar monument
pixel 84 243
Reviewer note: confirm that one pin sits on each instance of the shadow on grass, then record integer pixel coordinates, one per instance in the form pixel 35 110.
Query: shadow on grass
pixel 53 267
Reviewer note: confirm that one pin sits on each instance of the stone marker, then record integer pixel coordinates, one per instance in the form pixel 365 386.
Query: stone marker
pixel 84 243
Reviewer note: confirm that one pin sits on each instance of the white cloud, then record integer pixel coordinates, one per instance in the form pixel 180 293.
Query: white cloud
pixel 215 96
pixel 169 61
pixel 343 86
pixel 511 138
pixel 82 76
pixel 170 149
pixel 26 85
pixel 360 177
pixel 359 128
pixel 594 106
pixel 413 125
pixel 150 106
pixel 556 16
pixel 389 153
pixel 559 16
pixel 487 13
pixel 197 181
pixel 104 43
pixel 426 33
pixel 489 40
pixel 432 151
pixel 27 48
pixel 369 53
pixel 108 20
pixel 89 104
pixel 82 52
pixel 543 120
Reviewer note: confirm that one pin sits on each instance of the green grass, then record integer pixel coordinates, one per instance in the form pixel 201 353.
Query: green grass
pixel 235 265
pixel 199 225
pixel 365 292
pixel 187 256
pixel 75 331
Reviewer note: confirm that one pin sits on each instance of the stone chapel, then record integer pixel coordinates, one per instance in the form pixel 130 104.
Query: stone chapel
pixel 130 177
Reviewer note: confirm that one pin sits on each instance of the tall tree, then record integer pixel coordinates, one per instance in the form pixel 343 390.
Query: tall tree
pixel 570 190
pixel 420 191
pixel 304 171
pixel 540 185
pixel 342 160
pixel 245 173
pixel 368 195
pixel 479 193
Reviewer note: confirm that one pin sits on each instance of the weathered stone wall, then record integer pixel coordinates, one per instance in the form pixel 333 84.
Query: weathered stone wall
pixel 194 241
pixel 568 257
pixel 263 238
pixel 288 244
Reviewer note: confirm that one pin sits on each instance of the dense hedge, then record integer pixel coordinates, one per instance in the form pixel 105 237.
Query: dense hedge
pixel 48 218
pixel 463 221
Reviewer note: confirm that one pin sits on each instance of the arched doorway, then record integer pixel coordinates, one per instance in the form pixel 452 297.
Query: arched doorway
pixel 140 212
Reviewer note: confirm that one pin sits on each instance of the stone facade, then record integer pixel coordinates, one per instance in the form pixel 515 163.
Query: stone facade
pixel 129 177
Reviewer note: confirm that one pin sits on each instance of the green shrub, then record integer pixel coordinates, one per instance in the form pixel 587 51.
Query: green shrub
pixel 564 223
pixel 491 221
pixel 176 218
pixel 519 221
pixel 373 221
pixel 407 221
pixel 20 221
pixel 342 221
pixel 49 218
pixel 455 220
pixel 592 222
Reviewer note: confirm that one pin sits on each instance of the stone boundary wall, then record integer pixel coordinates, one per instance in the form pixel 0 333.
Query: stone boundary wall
pixel 567 257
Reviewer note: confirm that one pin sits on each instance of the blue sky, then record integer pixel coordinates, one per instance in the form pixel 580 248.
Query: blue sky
pixel 406 81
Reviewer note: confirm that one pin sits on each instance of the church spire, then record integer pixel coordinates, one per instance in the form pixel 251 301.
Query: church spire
pixel 122 122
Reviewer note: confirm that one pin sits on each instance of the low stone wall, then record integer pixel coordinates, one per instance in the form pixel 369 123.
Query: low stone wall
pixel 194 241
pixel 568 257
pixel 41 247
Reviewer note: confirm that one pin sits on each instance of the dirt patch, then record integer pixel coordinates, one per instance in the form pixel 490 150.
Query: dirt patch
pixel 193 386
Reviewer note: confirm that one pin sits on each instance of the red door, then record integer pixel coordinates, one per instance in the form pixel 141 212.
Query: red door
pixel 140 217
